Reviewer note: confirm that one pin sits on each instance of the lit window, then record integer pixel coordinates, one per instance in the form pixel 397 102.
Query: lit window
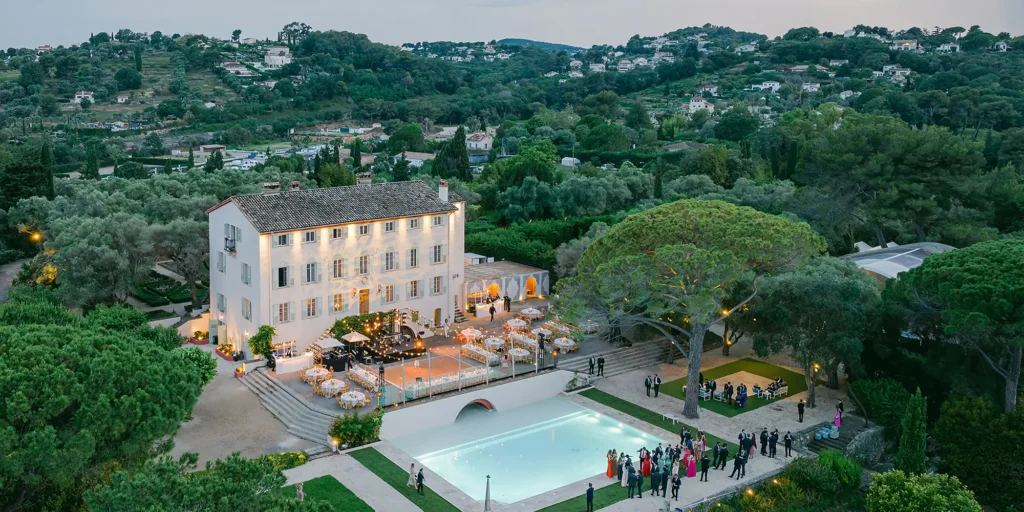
pixel 389 293
pixel 311 307
pixel 436 285
pixel 283 312
pixel 337 302
pixel 414 289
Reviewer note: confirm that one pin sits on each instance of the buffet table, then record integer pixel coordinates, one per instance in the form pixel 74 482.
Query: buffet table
pixel 287 365
pixel 477 353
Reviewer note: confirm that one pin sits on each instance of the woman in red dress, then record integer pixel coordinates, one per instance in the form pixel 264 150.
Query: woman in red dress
pixel 611 464
pixel 645 467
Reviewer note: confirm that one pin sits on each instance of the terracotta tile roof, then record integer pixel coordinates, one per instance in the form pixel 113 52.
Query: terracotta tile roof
pixel 302 209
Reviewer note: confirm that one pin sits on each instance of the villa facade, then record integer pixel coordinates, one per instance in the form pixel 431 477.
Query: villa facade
pixel 299 260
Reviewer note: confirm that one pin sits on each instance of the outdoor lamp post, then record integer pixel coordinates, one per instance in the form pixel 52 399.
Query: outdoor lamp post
pixel 380 397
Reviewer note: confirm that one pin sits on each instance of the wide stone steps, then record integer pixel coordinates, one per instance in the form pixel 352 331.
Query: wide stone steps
pixel 852 426
pixel 300 420
pixel 622 360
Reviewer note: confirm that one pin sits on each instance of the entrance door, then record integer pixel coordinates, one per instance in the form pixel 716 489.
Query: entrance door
pixel 364 301
pixel 437 316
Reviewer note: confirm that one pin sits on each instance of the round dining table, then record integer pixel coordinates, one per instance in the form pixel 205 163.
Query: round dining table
pixel 494 343
pixel 531 312
pixel 520 355
pixel 333 386
pixel 538 331
pixel 471 333
pixel 566 344
pixel 516 323
pixel 353 398
pixel 316 373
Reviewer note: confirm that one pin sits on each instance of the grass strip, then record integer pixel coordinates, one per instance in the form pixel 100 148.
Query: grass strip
pixel 329 489
pixel 397 478
pixel 654 418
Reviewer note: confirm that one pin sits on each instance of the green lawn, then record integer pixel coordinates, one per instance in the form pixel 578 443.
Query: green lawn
pixel 10 75
pixel 329 489
pixel 794 380
pixel 649 416
pixel 397 478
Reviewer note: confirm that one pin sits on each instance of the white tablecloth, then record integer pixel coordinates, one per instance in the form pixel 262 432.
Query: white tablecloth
pixel 522 339
pixel 494 343
pixel 565 343
pixel 353 398
pixel 471 333
pixel 531 312
pixel 521 355
pixel 332 386
pixel 294 364
pixel 516 323
pixel 538 331
pixel 316 373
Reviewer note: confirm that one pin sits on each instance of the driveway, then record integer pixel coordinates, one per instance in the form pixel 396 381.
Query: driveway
pixel 7 274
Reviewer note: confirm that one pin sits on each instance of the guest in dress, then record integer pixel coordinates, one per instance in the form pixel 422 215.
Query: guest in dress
pixel 691 465
pixel 412 476
pixel 611 464
pixel 626 470
pixel 621 462
pixel 839 417
pixel 645 464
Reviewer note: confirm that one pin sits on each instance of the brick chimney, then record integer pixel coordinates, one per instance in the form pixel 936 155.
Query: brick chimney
pixel 364 178
pixel 294 186
pixel 271 188
pixel 442 190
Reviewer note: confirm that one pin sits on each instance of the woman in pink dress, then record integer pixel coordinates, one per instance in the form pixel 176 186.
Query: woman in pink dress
pixel 839 416
pixel 691 466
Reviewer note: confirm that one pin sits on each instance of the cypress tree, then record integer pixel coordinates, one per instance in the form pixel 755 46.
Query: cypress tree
pixel 138 58
pixel 92 165
pixel 659 173
pixel 167 166
pixel 357 154
pixel 191 158
pixel 911 456
pixel 46 185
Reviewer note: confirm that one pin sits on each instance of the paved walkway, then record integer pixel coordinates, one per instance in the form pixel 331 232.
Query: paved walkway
pixel 8 273
pixel 353 475
pixel 229 418
pixel 781 415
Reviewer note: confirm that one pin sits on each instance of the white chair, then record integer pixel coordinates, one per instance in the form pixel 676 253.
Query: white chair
pixel 704 394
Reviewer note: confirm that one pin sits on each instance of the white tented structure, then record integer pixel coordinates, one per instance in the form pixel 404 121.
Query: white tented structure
pixel 497 279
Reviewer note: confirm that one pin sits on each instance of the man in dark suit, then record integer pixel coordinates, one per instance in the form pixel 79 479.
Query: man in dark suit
pixel 705 464
pixel 419 481
pixel 773 441
pixel 631 482
pixel 800 410
pixel 714 387
pixel 657 384
pixel 723 457
pixel 736 466
pixel 592 363
pixel 788 442
pixel 676 482
pixel 764 442
pixel 639 485
pixel 728 392
pixel 590 497
pixel 647 384
pixel 600 365
pixel 716 452
pixel 664 483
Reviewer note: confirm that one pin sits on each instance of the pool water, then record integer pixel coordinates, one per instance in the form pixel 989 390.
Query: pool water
pixel 527 451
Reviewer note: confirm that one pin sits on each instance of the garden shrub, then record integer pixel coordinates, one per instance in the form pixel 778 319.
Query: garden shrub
pixel 115 318
pixel 847 471
pixel 287 460
pixel 885 400
pixel 898 491
pixel 363 324
pixel 811 477
pixel 262 343
pixel 984 448
pixel 354 429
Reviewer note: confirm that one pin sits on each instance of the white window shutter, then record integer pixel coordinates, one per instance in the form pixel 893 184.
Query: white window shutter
pixel 421 288
pixel 291 237
pixel 319 272
pixel 319 307
pixel 444 253
pixel 291 276
pixel 238 235
pixel 444 284
pixel 292 310
pixel 276 308
pixel 227 230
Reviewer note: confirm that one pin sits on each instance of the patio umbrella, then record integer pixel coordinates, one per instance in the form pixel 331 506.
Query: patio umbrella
pixel 487 497
pixel 355 337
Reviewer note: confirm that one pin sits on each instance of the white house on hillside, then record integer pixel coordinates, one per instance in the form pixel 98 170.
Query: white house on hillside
pixel 480 141
pixel 905 45
pixel 278 56
pixel 83 95
pixel 769 85
pixel 596 68
pixel 699 103
pixel 301 259
pixel 948 48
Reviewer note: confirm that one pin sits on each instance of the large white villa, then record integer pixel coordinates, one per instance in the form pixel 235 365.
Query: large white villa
pixel 301 259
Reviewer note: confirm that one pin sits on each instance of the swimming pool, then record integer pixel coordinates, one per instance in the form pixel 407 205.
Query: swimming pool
pixel 527 451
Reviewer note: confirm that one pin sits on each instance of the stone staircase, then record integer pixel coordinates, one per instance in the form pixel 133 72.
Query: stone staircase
pixel 851 426
pixel 622 360
pixel 299 417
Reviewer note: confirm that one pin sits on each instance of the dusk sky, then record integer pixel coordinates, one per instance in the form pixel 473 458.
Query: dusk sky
pixel 29 23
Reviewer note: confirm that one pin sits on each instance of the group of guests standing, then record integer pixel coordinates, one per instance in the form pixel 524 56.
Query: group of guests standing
pixel 661 467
